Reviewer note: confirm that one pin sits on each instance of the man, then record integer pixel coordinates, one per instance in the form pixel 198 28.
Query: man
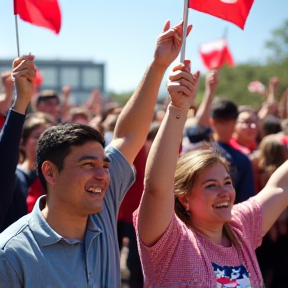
pixel 69 239
pixel 223 117
pixel 48 102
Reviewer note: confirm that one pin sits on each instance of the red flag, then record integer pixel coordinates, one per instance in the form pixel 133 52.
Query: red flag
pixel 235 11
pixel 44 13
pixel 215 54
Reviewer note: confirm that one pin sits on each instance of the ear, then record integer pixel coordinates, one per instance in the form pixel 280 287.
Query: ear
pixel 184 200
pixel 50 172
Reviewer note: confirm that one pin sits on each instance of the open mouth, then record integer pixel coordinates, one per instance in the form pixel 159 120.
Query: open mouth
pixel 94 190
pixel 221 205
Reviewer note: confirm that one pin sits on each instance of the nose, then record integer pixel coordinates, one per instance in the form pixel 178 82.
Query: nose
pixel 226 191
pixel 101 174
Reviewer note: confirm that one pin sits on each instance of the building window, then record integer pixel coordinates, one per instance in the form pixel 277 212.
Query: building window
pixel 49 76
pixel 70 77
pixel 92 78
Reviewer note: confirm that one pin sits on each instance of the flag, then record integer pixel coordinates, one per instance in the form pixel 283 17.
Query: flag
pixel 44 13
pixel 235 11
pixel 256 87
pixel 216 53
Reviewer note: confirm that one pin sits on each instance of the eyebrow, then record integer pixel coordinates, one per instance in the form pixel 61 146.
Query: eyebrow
pixel 91 157
pixel 214 180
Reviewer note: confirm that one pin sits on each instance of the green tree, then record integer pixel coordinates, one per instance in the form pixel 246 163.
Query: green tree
pixel 278 44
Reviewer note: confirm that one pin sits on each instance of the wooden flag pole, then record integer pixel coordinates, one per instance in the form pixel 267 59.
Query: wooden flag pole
pixel 185 24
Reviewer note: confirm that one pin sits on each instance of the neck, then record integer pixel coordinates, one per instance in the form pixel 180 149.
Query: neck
pixel 222 139
pixel 241 141
pixel 68 225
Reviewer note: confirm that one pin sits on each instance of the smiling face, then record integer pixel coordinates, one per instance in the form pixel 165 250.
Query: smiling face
pixel 212 197
pixel 246 128
pixel 79 188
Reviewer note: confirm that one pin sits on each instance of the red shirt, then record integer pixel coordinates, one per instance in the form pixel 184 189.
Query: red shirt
pixel 133 196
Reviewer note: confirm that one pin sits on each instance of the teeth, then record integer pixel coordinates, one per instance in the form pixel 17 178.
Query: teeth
pixel 222 205
pixel 94 190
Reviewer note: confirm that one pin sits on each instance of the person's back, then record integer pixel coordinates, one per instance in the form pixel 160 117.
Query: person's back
pixel 223 118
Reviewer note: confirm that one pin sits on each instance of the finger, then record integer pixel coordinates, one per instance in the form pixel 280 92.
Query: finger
pixel 177 75
pixel 179 66
pixel 20 59
pixel 189 28
pixel 28 74
pixel 175 87
pixel 187 65
pixel 166 26
pixel 24 64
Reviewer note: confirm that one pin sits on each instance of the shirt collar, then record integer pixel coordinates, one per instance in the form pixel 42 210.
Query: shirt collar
pixel 44 234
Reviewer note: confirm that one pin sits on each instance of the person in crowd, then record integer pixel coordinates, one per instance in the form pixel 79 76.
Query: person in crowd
pixel 48 102
pixel 190 233
pixel 6 95
pixel 78 115
pixel 70 237
pixel 271 125
pixel 19 182
pixel 272 254
pixel 246 131
pixel 223 117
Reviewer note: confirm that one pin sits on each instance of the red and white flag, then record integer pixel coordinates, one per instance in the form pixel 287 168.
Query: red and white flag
pixel 44 13
pixel 216 53
pixel 235 11
pixel 256 87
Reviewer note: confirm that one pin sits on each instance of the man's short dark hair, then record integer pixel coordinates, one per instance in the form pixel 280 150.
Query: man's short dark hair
pixel 55 144
pixel 46 95
pixel 223 109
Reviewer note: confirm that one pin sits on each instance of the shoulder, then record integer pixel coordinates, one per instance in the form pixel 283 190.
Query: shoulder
pixel 14 232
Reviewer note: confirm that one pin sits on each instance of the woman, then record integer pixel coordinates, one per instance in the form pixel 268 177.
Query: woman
pixel 205 241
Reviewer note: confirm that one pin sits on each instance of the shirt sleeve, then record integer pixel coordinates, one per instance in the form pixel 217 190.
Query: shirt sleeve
pixel 122 176
pixel 247 219
pixel 8 276
pixel 153 258
pixel 9 154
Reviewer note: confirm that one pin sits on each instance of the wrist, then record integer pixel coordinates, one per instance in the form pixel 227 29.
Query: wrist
pixel 158 66
pixel 20 105
pixel 178 113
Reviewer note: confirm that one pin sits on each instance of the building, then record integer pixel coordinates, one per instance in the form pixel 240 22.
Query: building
pixel 82 76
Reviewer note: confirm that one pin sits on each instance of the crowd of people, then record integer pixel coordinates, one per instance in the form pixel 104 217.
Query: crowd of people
pixel 198 193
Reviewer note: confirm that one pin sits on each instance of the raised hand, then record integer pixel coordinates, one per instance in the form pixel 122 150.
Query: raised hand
pixel 23 73
pixel 182 85
pixel 211 80
pixel 169 43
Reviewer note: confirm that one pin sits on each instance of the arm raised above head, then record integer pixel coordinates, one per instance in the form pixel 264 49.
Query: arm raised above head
pixel 157 204
pixel 134 121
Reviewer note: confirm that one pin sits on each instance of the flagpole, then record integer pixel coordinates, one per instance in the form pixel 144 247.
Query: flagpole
pixel 17 35
pixel 185 24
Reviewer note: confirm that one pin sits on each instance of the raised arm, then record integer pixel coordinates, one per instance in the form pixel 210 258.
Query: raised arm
pixel 157 204
pixel 23 73
pixel 274 197
pixel 134 121
pixel 211 84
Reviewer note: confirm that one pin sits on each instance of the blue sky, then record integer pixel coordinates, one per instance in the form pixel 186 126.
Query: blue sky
pixel 123 34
